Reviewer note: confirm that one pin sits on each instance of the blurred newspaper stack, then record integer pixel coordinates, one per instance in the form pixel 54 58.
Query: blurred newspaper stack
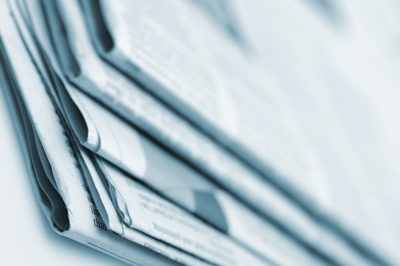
pixel 211 132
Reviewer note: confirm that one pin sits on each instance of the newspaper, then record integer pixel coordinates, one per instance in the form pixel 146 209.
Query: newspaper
pixel 148 148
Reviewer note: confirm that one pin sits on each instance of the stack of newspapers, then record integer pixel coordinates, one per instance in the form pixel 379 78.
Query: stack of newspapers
pixel 211 132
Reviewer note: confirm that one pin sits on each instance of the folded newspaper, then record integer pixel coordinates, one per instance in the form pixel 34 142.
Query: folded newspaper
pixel 158 132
